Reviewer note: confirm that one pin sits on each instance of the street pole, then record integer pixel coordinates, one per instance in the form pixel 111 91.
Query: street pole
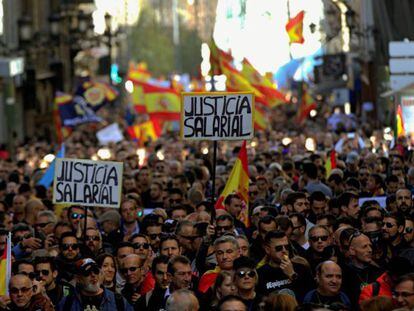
pixel 288 13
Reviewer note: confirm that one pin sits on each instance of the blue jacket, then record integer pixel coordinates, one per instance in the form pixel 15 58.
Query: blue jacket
pixel 108 302
pixel 311 297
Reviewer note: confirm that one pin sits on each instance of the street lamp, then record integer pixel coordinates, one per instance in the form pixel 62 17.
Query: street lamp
pixel 54 22
pixel 83 21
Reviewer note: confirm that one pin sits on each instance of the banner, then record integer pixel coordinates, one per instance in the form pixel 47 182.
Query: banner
pixel 110 134
pixel 87 183
pixel 217 116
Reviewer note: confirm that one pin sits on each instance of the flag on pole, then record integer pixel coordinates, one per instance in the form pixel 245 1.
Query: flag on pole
pixel 5 267
pixel 306 105
pixel 294 28
pixel 400 130
pixel 330 162
pixel 238 183
pixel 47 177
pixel 147 131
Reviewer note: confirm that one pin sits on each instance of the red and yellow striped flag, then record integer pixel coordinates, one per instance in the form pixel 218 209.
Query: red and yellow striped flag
pixel 5 267
pixel 400 122
pixel 146 131
pixel 330 162
pixel 306 105
pixel 238 183
pixel 294 28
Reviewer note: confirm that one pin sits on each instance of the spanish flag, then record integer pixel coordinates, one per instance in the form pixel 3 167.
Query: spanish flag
pixel 261 121
pixel 294 28
pixel 160 102
pixel 238 183
pixel 146 131
pixel 138 72
pixel 263 84
pixel 400 131
pixel 307 104
pixel 330 162
pixel 217 57
pixel 236 82
pixel 5 267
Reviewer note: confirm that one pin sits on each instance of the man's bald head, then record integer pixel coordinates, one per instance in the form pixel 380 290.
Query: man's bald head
pixel 21 290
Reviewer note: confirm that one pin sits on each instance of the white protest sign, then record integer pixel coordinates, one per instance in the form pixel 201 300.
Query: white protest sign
pixel 111 133
pixel 217 116
pixel 87 183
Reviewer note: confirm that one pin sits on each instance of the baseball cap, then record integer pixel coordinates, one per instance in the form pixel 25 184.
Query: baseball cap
pixel 86 266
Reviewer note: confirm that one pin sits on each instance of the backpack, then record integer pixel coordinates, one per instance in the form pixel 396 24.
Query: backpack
pixel 119 301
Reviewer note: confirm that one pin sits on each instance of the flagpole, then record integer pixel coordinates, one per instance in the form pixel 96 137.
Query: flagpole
pixel 288 13
pixel 213 173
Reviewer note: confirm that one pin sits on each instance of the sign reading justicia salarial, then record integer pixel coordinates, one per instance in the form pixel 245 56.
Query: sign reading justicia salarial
pixel 87 183
pixel 217 116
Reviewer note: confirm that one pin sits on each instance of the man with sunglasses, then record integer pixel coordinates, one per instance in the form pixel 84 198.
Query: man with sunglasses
pixel 409 231
pixel 89 293
pixel 69 254
pixel 320 246
pixel 280 272
pixel 393 233
pixel 93 242
pixel 23 295
pixel 360 269
pixel 131 269
pixel 76 214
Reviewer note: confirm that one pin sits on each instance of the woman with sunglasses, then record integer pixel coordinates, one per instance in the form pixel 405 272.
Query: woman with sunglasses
pixel 106 263
pixel 246 279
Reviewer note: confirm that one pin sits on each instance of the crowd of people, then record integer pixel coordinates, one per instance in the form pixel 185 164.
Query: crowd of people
pixel 317 239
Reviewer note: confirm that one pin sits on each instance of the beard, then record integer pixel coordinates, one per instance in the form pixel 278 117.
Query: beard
pixel 90 288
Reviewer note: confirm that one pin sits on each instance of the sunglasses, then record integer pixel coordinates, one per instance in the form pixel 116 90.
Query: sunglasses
pixel 224 228
pixel 408 230
pixel 23 290
pixel 140 213
pixel 353 236
pixel 279 248
pixel 244 273
pixel 93 238
pixel 66 247
pixel 41 225
pixel 143 245
pixel 77 216
pixel 30 275
pixel 94 269
pixel 43 272
pixel 388 225
pixel 154 236
pixel 323 238
pixel 131 269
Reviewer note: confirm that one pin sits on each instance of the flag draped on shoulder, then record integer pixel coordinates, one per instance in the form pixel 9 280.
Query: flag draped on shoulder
pixel 238 183
pixel 5 267
pixel 294 28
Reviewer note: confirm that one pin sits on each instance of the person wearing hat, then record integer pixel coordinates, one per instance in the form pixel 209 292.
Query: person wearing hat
pixel 89 293
pixel 110 222
pixel 246 279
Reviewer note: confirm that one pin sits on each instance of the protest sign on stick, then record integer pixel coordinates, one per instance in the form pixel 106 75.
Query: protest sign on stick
pixel 217 116
pixel 87 183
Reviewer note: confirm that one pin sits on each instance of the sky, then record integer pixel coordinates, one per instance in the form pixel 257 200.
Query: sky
pixel 262 38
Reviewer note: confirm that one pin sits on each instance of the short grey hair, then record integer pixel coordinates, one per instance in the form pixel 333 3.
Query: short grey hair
pixel 50 216
pixel 180 300
pixel 227 239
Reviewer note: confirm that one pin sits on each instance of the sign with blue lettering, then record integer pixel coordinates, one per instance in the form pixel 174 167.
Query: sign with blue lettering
pixel 87 183
pixel 217 116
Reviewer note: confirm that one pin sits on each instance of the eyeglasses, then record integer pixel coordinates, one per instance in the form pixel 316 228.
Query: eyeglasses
pixel 93 238
pixel 402 294
pixel 94 269
pixel 243 273
pixel 131 269
pixel 77 216
pixel 323 238
pixel 279 248
pixel 41 225
pixel 139 245
pixel 140 213
pixel 66 247
pixel 43 272
pixel 389 225
pixel 23 290
pixel 408 230
pixel 154 236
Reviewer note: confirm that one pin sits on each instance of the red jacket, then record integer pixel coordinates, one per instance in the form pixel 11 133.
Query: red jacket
pixel 385 285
